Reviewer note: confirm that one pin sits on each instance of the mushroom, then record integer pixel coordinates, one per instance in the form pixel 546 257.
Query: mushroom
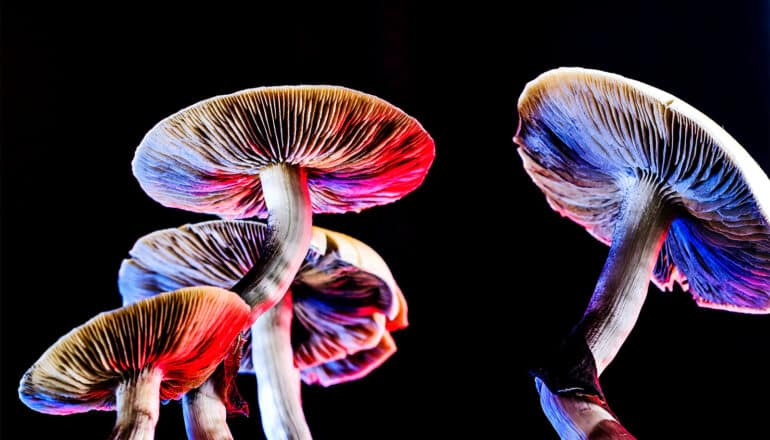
pixel 333 327
pixel 669 190
pixel 131 358
pixel 281 152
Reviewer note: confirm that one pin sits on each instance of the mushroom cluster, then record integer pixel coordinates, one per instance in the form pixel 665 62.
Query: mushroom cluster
pixel 320 305
pixel 675 196
pixel 332 326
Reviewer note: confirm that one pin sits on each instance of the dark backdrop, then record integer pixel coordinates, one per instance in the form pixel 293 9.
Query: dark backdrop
pixel 491 274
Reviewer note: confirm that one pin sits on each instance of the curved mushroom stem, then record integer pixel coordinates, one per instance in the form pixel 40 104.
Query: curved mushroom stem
pixel 290 220
pixel 617 300
pixel 205 414
pixel 278 381
pixel 574 417
pixel 640 231
pixel 137 403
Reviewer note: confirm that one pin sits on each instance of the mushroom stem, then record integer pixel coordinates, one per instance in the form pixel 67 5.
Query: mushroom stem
pixel 290 220
pixel 137 403
pixel 205 414
pixel 278 380
pixel 641 229
pixel 576 418
pixel 570 394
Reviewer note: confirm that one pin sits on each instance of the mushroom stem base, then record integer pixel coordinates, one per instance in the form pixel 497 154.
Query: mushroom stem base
pixel 278 380
pixel 205 414
pixel 574 417
pixel 290 219
pixel 138 402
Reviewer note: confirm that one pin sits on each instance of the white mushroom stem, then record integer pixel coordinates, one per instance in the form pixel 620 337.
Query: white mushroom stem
pixel 640 231
pixel 290 220
pixel 205 414
pixel 575 418
pixel 278 381
pixel 137 403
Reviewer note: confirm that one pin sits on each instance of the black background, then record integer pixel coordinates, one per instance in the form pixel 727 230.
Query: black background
pixel 492 275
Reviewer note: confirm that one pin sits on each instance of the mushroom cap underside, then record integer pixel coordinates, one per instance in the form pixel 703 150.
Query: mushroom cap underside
pixel 584 134
pixel 184 333
pixel 345 298
pixel 358 150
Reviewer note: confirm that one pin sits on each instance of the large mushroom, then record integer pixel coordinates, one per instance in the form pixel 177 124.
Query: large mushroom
pixel 333 327
pixel 672 193
pixel 283 152
pixel 129 359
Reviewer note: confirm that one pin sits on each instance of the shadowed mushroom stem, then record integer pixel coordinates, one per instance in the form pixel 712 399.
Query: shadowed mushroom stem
pixel 578 418
pixel 278 385
pixel 278 380
pixel 645 216
pixel 137 406
pixel 205 414
pixel 290 220
pixel 641 229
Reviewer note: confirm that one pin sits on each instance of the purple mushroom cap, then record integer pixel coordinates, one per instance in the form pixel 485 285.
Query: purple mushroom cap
pixel 582 132
pixel 343 306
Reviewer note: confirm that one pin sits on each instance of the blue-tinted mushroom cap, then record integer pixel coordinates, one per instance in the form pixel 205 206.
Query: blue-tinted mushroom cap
pixel 583 132
pixel 345 298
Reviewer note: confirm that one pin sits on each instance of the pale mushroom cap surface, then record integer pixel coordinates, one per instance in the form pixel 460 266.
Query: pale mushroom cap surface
pixel 358 150
pixel 185 334
pixel 584 135
pixel 345 299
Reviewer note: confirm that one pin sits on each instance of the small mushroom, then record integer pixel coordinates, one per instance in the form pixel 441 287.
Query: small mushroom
pixel 129 359
pixel 669 190
pixel 332 327
pixel 281 152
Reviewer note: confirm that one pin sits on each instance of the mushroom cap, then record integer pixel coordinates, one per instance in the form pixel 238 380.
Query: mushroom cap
pixel 584 133
pixel 352 367
pixel 359 254
pixel 345 298
pixel 185 334
pixel 358 150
